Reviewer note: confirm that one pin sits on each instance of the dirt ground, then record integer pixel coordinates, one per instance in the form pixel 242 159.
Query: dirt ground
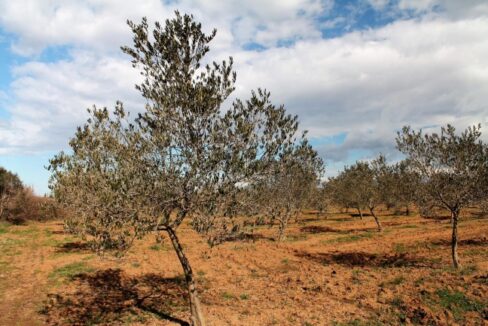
pixel 330 271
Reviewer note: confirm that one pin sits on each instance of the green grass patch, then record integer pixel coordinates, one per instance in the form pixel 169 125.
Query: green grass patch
pixel 4 266
pixel 463 271
pixel 475 252
pixel 397 302
pixel 201 273
pixel 356 276
pixel 67 272
pixel 244 296
pixel 468 270
pixel 4 228
pixel 158 247
pixel 458 303
pixel 10 247
pixel 349 238
pixel 400 248
pixel 228 296
pixel 25 231
pixel 51 242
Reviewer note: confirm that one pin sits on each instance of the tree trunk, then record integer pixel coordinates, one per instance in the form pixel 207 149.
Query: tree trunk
pixel 454 239
pixel 378 223
pixel 282 228
pixel 197 318
pixel 360 213
pixel 407 210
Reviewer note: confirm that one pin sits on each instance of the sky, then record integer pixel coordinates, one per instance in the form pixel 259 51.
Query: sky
pixel 354 71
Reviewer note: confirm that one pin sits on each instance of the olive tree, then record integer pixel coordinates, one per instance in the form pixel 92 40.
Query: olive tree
pixel 183 158
pixel 346 190
pixel 351 187
pixel 364 185
pixel 336 193
pixel 319 198
pixel 405 182
pixel 285 192
pixel 453 169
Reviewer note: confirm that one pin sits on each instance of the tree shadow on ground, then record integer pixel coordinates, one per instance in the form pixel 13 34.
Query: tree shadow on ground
pixel 73 247
pixel 392 223
pixel 437 217
pixel 356 215
pixel 364 259
pixel 312 219
pixel 483 241
pixel 58 232
pixel 244 237
pixel 110 296
pixel 320 229
pixel 314 229
pixel 341 219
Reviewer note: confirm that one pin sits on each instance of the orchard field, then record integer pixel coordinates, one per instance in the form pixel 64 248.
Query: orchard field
pixel 333 269
pixel 128 232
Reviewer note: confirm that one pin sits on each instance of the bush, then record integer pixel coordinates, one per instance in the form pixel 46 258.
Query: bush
pixel 25 205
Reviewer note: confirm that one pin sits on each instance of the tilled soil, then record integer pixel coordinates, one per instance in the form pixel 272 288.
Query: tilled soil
pixel 331 270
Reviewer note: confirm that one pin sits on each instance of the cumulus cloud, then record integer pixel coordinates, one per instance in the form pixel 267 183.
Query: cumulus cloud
pixel 51 99
pixel 98 25
pixel 380 79
pixel 425 71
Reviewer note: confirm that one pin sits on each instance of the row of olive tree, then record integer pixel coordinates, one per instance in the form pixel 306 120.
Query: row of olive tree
pixel 363 186
pixel 443 170
pixel 184 157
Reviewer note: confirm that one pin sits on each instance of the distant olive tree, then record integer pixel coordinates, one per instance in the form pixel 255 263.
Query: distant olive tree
pixel 319 199
pixel 453 169
pixel 405 182
pixel 183 158
pixel 10 186
pixel 350 188
pixel 287 190
pixel 364 185
pixel 337 193
pixel 382 179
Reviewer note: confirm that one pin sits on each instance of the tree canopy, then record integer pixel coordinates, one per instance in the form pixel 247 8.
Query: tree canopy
pixel 183 157
pixel 453 168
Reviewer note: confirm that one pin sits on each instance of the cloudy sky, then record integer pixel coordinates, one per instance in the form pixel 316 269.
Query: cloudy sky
pixel 354 71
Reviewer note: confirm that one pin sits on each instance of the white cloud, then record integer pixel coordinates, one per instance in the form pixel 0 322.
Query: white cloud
pixel 372 83
pixel 368 84
pixel 51 99
pixel 100 24
pixel 452 8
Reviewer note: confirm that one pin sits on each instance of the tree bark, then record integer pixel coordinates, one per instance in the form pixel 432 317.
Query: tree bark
pixel 197 318
pixel 454 239
pixel 378 223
